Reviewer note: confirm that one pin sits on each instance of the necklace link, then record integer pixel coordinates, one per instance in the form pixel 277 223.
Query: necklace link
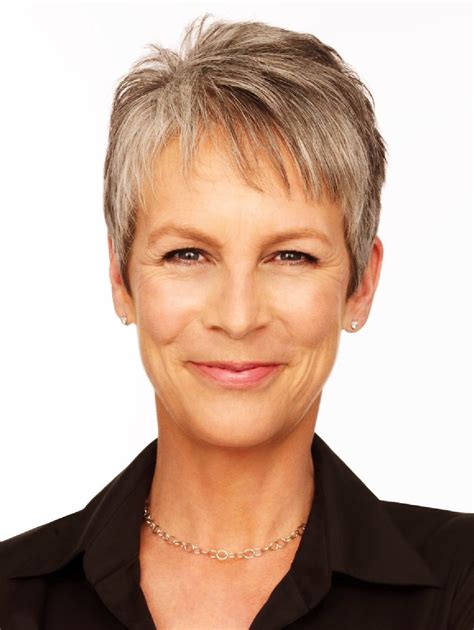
pixel 220 554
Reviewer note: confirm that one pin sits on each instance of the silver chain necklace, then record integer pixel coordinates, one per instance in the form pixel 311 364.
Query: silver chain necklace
pixel 220 554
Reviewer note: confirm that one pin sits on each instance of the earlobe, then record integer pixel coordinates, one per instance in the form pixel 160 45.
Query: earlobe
pixel 353 326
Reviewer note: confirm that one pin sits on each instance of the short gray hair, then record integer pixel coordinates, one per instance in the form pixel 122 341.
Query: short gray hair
pixel 263 86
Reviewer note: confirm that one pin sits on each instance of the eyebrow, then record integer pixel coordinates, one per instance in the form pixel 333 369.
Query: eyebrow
pixel 196 234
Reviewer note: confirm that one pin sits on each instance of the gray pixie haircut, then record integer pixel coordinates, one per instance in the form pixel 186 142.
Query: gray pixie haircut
pixel 265 87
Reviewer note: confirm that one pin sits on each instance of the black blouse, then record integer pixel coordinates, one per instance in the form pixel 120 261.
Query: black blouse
pixel 362 563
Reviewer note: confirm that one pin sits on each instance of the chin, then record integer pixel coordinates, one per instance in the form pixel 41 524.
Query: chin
pixel 235 431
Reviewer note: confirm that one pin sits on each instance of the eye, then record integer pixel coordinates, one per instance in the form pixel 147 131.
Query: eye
pixel 307 258
pixel 191 254
pixel 188 260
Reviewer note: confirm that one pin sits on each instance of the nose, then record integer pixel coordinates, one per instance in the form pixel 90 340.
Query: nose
pixel 237 303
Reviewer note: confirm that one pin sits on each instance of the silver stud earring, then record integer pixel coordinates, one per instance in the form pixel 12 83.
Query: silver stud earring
pixel 354 324
pixel 124 320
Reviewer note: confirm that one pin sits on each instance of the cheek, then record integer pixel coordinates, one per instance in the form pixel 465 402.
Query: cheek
pixel 313 323
pixel 164 309
pixel 314 315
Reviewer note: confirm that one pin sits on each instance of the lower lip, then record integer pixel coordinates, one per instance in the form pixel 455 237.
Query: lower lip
pixel 230 378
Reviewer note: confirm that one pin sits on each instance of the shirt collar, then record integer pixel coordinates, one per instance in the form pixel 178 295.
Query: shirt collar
pixel 349 530
pixel 363 541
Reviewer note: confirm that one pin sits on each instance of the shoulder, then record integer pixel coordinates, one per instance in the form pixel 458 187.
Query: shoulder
pixel 425 526
pixel 34 541
pixel 444 538
pixel 27 555
pixel 49 545
pixel 35 561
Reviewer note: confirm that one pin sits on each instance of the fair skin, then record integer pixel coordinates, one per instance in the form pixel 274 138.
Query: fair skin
pixel 234 468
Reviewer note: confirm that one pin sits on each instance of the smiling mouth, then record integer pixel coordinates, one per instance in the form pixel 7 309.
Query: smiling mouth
pixel 237 366
pixel 236 375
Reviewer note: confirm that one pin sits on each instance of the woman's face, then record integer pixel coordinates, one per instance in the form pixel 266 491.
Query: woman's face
pixel 241 292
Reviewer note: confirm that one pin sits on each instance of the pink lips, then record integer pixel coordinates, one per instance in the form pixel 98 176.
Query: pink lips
pixel 236 375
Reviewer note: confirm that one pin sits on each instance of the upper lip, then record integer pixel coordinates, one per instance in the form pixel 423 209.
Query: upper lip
pixel 236 365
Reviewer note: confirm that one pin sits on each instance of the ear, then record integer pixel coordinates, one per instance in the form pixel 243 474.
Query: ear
pixel 123 304
pixel 360 302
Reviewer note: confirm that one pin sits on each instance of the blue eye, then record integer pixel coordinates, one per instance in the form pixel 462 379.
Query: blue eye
pixel 174 257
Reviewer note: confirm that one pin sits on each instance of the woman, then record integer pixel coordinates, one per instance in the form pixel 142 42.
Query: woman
pixel 242 200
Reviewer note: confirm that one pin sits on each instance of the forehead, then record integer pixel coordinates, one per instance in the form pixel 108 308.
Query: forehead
pixel 214 183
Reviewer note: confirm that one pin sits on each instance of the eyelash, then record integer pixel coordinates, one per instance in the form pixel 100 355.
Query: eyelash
pixel 170 256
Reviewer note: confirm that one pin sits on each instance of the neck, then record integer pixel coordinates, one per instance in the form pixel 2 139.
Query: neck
pixel 231 498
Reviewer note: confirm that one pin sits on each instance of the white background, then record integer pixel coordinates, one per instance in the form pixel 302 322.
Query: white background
pixel 76 405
